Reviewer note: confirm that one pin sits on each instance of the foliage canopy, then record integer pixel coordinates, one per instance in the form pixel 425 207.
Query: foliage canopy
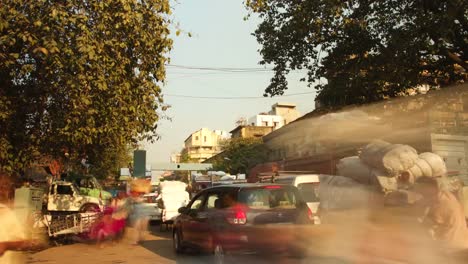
pixel 79 76
pixel 240 154
pixel 360 51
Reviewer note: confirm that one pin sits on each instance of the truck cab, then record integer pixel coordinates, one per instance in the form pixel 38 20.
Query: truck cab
pixel 90 186
pixel 65 197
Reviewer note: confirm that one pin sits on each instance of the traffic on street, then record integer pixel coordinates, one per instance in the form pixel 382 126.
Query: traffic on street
pixel 240 131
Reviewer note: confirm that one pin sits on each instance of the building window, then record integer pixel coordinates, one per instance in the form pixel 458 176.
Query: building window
pixel 275 124
pixel 204 139
pixel 265 123
pixel 196 137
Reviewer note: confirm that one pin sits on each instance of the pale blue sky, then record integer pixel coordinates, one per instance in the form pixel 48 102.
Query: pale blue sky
pixel 221 38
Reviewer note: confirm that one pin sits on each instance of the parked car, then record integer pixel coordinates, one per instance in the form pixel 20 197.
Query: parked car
pixel 243 218
pixel 308 185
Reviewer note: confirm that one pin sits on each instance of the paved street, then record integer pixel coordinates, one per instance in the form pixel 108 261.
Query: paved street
pixel 349 237
pixel 157 248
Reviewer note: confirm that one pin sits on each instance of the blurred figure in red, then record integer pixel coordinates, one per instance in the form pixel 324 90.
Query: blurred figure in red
pixel 111 225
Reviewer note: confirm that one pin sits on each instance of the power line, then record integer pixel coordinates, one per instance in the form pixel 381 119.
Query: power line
pixel 233 98
pixel 224 69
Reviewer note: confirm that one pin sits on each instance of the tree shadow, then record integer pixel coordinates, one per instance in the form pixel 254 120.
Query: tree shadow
pixel 163 248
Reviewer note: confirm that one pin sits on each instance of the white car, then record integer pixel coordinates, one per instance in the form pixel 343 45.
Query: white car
pixel 308 185
pixel 149 207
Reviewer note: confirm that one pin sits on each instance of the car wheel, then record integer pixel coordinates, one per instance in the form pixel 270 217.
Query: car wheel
pixel 298 252
pixel 218 254
pixel 176 242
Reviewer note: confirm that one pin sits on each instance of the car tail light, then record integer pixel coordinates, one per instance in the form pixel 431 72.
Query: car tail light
pixel 310 214
pixel 272 187
pixel 237 218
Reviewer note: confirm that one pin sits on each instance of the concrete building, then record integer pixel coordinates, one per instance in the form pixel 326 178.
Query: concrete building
pixel 267 120
pixel 203 144
pixel 175 157
pixel 251 131
pixel 280 114
pixel 285 110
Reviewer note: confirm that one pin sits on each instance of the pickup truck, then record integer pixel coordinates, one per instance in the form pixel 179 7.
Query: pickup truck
pixel 65 198
pixel 90 186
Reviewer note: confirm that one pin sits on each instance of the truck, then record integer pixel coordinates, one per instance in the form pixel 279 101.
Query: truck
pixel 90 186
pixel 65 198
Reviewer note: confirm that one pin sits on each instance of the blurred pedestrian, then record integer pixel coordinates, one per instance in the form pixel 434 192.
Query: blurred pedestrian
pixel 12 232
pixel 443 214
pixel 120 214
pixel 139 218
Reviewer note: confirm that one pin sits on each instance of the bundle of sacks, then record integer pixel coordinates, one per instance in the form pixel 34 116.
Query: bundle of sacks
pixel 390 166
pixel 173 195
pixel 338 193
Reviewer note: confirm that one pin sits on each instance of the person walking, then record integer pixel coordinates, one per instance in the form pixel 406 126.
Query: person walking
pixel 12 233
pixel 443 214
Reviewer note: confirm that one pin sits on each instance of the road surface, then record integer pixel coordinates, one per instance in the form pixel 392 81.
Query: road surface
pixel 349 237
pixel 156 248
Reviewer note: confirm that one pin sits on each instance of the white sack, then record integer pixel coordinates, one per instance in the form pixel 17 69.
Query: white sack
pixel 172 185
pixel 391 159
pixel 370 154
pixel 338 192
pixel 420 168
pixel 428 165
pixel 436 163
pixel 174 196
pixel 354 168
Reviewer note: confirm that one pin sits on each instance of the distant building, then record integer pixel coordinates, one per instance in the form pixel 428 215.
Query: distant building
pixel 251 131
pixel 175 157
pixel 267 120
pixel 285 110
pixel 280 115
pixel 204 144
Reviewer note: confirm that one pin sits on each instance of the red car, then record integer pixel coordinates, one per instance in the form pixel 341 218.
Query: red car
pixel 243 218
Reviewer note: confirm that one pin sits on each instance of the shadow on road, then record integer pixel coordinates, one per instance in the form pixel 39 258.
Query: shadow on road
pixel 163 248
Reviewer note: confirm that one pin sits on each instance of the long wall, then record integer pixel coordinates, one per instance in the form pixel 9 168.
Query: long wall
pixel 316 142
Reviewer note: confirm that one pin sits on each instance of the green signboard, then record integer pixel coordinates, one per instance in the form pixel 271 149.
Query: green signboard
pixel 139 163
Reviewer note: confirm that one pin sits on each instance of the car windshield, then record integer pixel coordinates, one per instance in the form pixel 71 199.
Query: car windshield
pixel 269 197
pixel 309 191
pixel 75 188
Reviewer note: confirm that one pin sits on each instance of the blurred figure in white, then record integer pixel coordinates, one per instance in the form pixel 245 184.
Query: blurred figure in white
pixel 12 233
pixel 173 196
pixel 139 219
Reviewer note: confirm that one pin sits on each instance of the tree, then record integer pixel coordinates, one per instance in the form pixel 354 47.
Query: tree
pixel 360 51
pixel 240 154
pixel 84 76
pixel 185 157
pixel 106 161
